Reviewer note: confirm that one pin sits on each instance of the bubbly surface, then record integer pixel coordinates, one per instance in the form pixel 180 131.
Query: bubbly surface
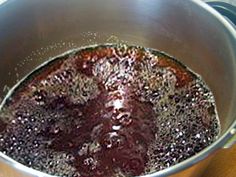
pixel 108 111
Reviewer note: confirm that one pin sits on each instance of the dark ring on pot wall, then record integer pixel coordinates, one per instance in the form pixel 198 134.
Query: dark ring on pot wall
pixel 225 9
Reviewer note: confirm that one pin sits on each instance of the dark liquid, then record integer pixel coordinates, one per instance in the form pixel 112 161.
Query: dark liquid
pixel 108 111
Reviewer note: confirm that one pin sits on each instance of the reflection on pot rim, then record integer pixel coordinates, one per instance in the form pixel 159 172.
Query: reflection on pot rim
pixel 3 1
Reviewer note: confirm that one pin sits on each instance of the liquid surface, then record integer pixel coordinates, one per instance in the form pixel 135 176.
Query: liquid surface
pixel 109 110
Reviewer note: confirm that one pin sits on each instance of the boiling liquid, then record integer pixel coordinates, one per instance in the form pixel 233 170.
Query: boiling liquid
pixel 109 110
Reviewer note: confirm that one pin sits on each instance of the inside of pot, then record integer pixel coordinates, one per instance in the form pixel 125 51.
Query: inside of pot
pixel 204 44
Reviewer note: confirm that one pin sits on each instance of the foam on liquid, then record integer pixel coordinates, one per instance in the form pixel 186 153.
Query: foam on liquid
pixel 108 110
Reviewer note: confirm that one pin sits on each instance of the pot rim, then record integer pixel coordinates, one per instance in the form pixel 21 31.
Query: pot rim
pixel 219 143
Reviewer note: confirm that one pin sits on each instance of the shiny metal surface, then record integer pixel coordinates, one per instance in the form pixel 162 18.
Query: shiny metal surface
pixel 33 31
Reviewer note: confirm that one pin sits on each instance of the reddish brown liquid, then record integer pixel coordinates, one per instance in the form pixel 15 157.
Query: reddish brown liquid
pixel 125 148
pixel 99 106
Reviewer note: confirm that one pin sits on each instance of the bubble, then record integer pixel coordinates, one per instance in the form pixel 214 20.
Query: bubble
pixel 113 140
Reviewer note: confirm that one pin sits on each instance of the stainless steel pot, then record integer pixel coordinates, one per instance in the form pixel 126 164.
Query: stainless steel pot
pixel 33 31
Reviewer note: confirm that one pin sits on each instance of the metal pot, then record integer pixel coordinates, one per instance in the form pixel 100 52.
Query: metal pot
pixel 33 31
